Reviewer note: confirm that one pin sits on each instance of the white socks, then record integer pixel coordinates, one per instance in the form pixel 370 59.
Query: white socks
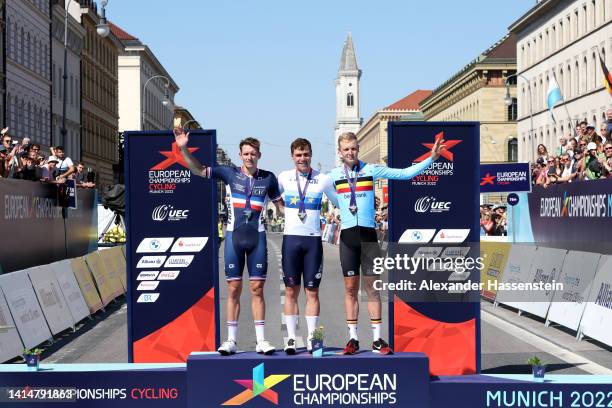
pixel 376 324
pixel 352 325
pixel 312 322
pixel 232 330
pixel 259 330
pixel 291 321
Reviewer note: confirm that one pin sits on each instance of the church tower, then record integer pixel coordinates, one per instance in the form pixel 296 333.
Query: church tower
pixel 347 92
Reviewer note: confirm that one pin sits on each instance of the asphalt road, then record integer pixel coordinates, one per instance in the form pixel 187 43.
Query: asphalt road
pixel 507 340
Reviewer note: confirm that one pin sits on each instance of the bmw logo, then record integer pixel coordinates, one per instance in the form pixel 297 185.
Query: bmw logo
pixel 155 244
pixel 417 236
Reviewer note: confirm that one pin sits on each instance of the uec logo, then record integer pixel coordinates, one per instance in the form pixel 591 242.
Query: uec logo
pixel 431 204
pixel 167 212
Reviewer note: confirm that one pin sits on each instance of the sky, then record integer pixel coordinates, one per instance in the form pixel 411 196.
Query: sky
pixel 267 68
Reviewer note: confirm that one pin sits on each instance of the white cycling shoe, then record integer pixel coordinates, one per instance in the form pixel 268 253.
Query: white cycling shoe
pixel 227 348
pixel 264 347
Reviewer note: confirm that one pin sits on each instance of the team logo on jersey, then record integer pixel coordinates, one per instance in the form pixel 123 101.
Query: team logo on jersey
pixel 439 168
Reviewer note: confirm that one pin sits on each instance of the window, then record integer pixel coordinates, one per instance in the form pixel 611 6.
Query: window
pixel 513 150
pixel 594 70
pixel 349 99
pixel 512 111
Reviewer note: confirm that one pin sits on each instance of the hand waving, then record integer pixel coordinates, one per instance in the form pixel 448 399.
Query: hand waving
pixel 437 148
pixel 181 137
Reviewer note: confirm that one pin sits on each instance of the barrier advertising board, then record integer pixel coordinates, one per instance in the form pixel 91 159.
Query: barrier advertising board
pixel 577 277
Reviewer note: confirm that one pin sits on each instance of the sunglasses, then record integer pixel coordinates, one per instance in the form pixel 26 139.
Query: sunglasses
pixel 608 148
pixel 6 141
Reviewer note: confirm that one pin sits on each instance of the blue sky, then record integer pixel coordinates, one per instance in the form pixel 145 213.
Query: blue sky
pixel 267 68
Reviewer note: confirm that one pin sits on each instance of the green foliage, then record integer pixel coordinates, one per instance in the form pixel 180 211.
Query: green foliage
pixel 318 334
pixel 32 352
pixel 534 361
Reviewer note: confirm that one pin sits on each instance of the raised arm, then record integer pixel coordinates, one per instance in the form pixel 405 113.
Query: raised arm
pixel 412 171
pixel 195 166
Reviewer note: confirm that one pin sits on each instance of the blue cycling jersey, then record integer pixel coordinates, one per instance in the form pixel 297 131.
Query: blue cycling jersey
pixel 262 185
pixel 364 189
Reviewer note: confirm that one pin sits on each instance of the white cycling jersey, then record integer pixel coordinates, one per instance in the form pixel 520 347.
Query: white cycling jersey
pixel 319 184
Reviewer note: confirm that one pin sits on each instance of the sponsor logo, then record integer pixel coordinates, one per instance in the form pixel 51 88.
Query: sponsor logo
pixel 147 275
pixel 416 235
pixel 148 285
pixel 431 204
pixel 456 252
pixel 350 273
pixel 162 179
pixel 439 168
pixel 504 178
pixel 157 245
pixel 22 207
pixel 318 275
pixel 451 235
pixel 577 206
pixel 168 275
pixel 428 252
pixel 169 213
pixel 258 386
pixel 189 244
pixel 147 298
pixel 179 261
pixel 151 262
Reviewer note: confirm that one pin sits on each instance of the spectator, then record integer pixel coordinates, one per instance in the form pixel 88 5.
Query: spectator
pixel 593 162
pixel 65 166
pixel 607 163
pixel 29 170
pixel 563 146
pixel 49 169
pixel 542 152
pixel 80 177
pixel 604 132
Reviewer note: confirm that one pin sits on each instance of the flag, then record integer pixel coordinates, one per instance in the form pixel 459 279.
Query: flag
pixel 607 77
pixel 553 96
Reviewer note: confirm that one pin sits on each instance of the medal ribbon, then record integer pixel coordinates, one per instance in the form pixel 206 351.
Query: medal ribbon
pixel 302 205
pixel 249 183
pixel 352 182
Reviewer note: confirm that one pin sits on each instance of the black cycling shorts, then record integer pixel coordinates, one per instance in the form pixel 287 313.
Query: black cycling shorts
pixel 354 255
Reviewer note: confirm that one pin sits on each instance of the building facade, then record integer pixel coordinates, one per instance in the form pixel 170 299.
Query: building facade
pixel 477 93
pixel 348 118
pixel 2 62
pixel 100 114
pixel 137 65
pixel 28 71
pixel 76 34
pixel 372 137
pixel 561 39
pixel 184 118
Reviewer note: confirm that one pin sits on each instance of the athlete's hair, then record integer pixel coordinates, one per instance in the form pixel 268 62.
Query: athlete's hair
pixel 346 136
pixel 300 143
pixel 250 141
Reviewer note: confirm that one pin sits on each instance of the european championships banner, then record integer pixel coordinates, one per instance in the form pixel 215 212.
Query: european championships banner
pixel 171 257
pixel 440 207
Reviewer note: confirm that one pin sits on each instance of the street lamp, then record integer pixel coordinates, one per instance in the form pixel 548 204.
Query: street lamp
pixel 508 100
pixel 103 29
pixel 190 121
pixel 165 102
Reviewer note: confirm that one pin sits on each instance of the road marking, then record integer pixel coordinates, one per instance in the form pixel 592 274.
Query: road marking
pixel 568 356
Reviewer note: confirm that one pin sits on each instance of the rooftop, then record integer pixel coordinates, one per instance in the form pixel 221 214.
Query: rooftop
pixel 410 102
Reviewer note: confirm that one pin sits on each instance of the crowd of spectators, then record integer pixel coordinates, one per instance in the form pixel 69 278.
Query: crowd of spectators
pixel 24 160
pixel 585 155
pixel 493 220
pixel 332 224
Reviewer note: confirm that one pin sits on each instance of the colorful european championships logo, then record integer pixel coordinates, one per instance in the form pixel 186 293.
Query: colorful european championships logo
pixel 437 169
pixel 259 386
pixel 163 179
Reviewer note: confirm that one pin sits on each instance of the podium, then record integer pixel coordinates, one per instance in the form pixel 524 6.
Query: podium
pixel 363 379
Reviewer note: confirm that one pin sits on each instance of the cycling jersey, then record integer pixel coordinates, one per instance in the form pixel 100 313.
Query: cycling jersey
pixel 319 183
pixel 263 184
pixel 246 237
pixel 364 189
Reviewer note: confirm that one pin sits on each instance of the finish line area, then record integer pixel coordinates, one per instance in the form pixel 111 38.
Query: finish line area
pixel 364 379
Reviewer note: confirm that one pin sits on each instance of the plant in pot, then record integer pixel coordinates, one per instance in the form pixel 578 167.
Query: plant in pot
pixel 538 369
pixel 32 358
pixel 316 342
